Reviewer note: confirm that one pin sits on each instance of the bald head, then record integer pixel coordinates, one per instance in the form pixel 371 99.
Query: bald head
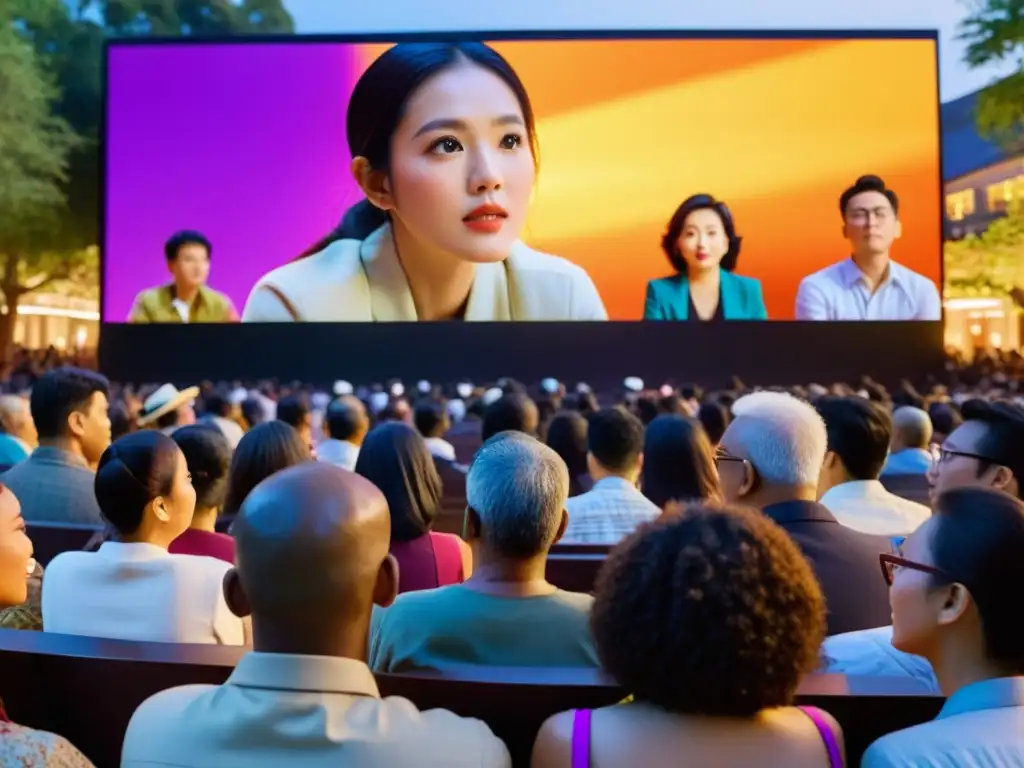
pixel 912 428
pixel 310 544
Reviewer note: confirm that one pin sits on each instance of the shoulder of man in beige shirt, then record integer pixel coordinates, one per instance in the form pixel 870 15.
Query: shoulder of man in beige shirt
pixel 299 711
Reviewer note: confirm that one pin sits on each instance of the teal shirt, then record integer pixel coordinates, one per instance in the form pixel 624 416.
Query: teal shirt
pixel 455 626
pixel 668 298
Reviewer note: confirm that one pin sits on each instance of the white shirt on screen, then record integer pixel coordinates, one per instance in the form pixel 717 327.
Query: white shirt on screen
pixel 866 506
pixel 841 292
pixel 358 281
pixel 139 592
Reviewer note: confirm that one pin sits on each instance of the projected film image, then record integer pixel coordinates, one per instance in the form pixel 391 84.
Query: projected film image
pixel 571 180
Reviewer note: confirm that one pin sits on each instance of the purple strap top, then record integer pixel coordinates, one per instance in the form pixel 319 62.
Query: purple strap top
pixel 581 737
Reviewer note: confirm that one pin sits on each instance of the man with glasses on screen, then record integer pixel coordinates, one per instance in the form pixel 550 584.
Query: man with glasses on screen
pixel 869 285
pixel 986 451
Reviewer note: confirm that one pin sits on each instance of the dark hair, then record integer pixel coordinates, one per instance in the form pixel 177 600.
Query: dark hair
pixel 670 241
pixel 615 438
pixel 868 183
pixel 253 412
pixel 678 462
pixel 647 408
pixel 430 417
pixel 132 472
pixel 217 404
pixel 169 419
pixel 394 457
pixel 378 103
pixel 179 240
pixel 713 612
pixel 567 436
pixel 509 413
pixel 714 417
pixel 1003 440
pixel 342 420
pixel 59 393
pixel 977 541
pixel 208 455
pixel 263 451
pixel 121 421
pixel 859 433
pixel 293 410
pixel 945 417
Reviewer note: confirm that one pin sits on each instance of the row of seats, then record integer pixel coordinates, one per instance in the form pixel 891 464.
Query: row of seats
pixel 87 689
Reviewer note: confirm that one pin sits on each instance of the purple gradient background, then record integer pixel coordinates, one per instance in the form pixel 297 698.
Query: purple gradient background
pixel 203 137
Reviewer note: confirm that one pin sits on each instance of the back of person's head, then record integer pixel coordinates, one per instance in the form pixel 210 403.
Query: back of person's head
pixel 510 413
pixel 516 490
pixel 217 404
pixel 615 440
pixel 567 436
pixel 679 464
pixel 311 559
pixel 430 416
pixel 783 438
pixel 263 450
pixel 690 611
pixel 294 410
pixel 714 417
pixel 208 456
pixel 394 457
pixel 646 409
pixel 945 418
pixel 122 422
pixel 346 419
pixel 253 412
pixel 136 478
pixel 911 428
pixel 62 398
pixel 14 411
pixel 974 542
pixel 858 433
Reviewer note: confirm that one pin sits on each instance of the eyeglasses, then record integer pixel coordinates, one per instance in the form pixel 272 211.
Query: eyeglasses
pixel 889 564
pixel 724 457
pixel 942 455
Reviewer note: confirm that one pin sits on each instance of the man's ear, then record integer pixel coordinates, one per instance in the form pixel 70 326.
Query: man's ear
pixel 562 526
pixel 235 596
pixel 386 589
pixel 374 184
pixel 471 525
pixel 749 481
pixel 958 601
pixel 76 423
pixel 1002 479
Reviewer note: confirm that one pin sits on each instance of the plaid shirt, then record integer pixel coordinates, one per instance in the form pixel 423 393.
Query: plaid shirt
pixel 607 513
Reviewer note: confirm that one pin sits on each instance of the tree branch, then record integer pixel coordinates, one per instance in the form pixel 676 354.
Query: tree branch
pixel 60 274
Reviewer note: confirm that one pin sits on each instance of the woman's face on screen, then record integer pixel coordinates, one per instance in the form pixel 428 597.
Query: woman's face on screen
pixel 703 241
pixel 461 167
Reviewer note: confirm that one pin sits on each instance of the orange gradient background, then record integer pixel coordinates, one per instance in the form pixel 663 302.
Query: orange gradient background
pixel 775 128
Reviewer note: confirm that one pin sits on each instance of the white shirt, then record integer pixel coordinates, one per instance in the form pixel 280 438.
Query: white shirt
pixel 301 712
pixel 841 292
pixel 866 506
pixel 340 453
pixel 440 448
pixel 869 653
pixel 607 513
pixel 139 592
pixel 183 307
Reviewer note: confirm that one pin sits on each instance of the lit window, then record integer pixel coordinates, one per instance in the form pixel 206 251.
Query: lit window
pixel 960 205
pixel 1002 195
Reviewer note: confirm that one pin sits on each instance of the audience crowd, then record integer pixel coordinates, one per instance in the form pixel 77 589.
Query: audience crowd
pixel 753 536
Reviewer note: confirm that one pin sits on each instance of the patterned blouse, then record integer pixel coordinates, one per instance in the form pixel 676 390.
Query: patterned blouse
pixel 22 747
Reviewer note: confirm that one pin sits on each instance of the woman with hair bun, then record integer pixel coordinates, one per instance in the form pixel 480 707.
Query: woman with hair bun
pixel 133 588
pixel 444 148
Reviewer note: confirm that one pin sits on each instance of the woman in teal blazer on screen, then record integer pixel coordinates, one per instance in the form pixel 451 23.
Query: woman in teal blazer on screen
pixel 702 245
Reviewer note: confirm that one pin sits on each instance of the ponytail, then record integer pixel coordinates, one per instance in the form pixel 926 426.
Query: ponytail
pixel 358 223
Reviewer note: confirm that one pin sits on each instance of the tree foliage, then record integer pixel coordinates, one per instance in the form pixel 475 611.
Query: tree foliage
pixel 989 264
pixel 994 34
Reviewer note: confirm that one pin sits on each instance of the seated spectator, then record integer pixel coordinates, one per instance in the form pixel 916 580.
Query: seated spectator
pixel 955 601
pixel 714 417
pixel 614 507
pixel 345 426
pixel 122 420
pixel 394 457
pixel 167 409
pixel 679 464
pixel 859 433
pixel 208 457
pixel 133 588
pixel 431 420
pixel 312 561
pixel 712 670
pixel 770 458
pixel 296 412
pixel 18 437
pixel 55 484
pixel 910 453
pixel 510 413
pixel 464 435
pixel 254 412
pixel 224 415
pixel 266 448
pixel 506 614
pixel 945 418
pixel 21 746
pixel 567 436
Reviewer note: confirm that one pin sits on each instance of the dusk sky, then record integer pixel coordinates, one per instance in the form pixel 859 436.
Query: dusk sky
pixel 327 16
